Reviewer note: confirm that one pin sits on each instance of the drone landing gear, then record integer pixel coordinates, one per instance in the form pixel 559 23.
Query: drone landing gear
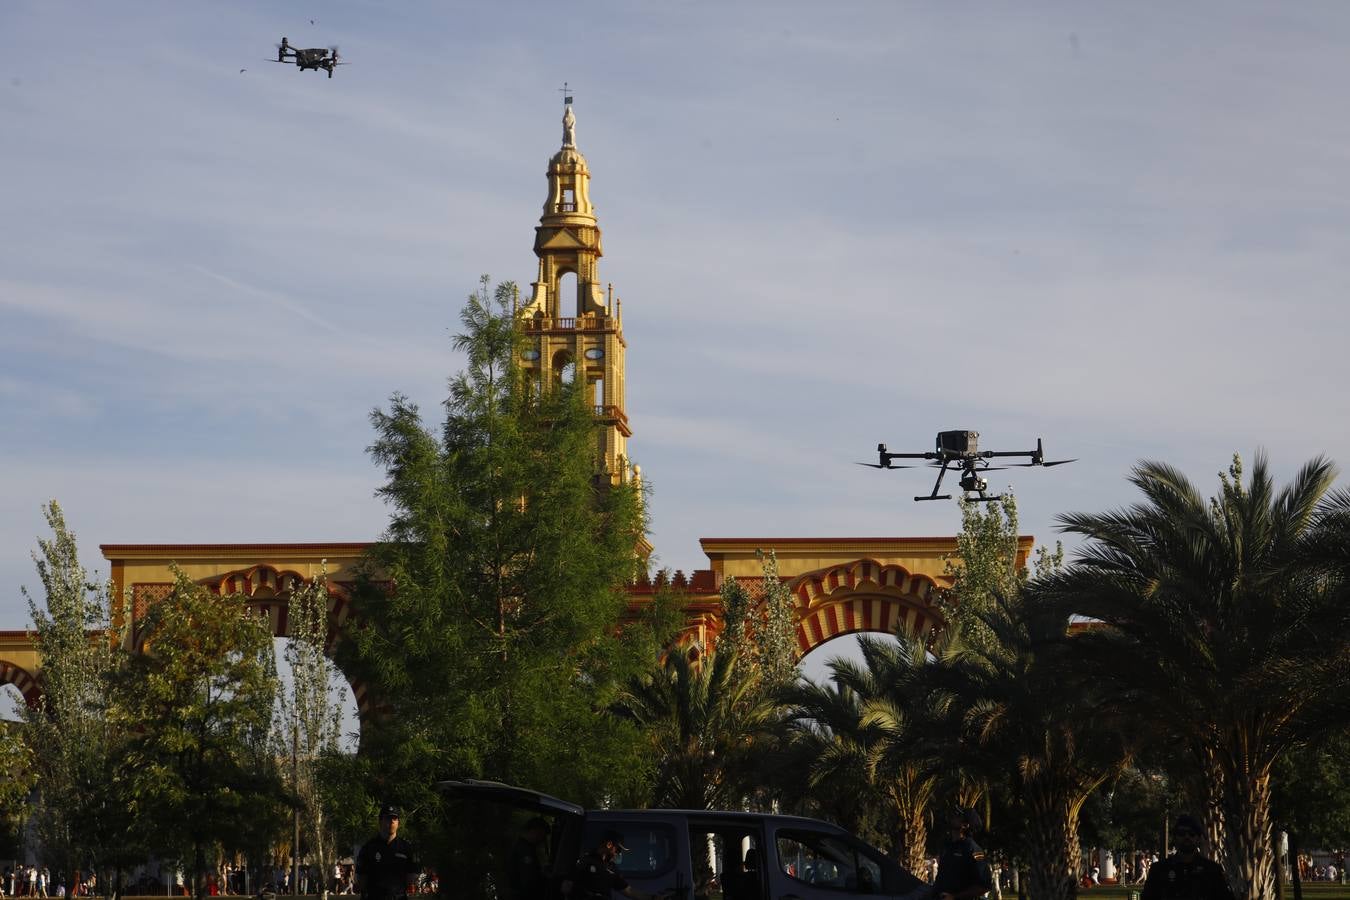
pixel 937 485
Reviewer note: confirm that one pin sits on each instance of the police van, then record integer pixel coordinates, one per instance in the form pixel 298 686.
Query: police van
pixel 702 855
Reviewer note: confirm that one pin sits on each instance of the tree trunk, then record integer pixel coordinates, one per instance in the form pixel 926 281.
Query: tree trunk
pixel 198 864
pixel 1294 874
pixel 913 829
pixel 1052 843
pixel 1208 790
pixel 1246 811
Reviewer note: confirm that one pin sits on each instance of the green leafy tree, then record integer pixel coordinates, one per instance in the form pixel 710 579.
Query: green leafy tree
pixel 492 635
pixel 192 703
pixel 1128 813
pixel 67 734
pixel 1228 620
pixel 1311 795
pixel 17 776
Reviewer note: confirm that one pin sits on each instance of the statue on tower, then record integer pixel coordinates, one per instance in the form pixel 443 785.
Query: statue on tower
pixel 569 127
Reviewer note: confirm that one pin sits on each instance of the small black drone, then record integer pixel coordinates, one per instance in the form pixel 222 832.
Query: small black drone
pixel 315 58
pixel 961 450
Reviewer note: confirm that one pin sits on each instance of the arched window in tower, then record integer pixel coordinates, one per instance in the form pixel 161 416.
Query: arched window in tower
pixel 564 367
pixel 569 302
pixel 598 391
pixel 569 201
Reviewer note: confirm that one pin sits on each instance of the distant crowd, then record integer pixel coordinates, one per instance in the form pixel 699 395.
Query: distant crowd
pixel 1308 871
pixel 38 881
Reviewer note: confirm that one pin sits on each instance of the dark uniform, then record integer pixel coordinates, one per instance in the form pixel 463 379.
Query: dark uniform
pixel 961 866
pixel 525 872
pixel 1175 879
pixel 594 878
pixel 384 868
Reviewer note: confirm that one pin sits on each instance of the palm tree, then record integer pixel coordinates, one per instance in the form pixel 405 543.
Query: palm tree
pixel 1009 710
pixel 833 758
pixel 707 729
pixel 904 766
pixel 1229 621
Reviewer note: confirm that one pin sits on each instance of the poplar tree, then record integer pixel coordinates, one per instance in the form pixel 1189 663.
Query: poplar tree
pixel 67 734
pixel 309 719
pixel 491 621
pixel 760 628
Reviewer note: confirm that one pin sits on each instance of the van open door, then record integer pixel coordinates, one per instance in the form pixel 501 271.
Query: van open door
pixel 499 813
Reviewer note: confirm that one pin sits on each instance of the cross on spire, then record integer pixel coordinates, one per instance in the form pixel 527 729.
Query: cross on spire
pixel 567 94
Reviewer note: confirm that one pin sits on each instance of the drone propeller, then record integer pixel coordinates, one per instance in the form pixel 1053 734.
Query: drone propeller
pixel 1053 462
pixel 880 466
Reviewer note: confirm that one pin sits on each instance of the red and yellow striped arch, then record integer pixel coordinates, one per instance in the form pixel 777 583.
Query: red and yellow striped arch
pixel 862 596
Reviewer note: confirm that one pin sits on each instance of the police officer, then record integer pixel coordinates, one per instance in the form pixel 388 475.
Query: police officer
pixel 525 868
pixel 1186 875
pixel 963 872
pixel 594 876
pixel 386 861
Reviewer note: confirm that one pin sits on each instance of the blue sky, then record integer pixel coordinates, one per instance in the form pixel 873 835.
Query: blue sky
pixel 1121 227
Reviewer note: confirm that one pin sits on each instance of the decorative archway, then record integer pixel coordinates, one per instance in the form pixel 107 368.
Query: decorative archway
pixel 142 570
pixel 22 679
pixel 269 590
pixel 861 596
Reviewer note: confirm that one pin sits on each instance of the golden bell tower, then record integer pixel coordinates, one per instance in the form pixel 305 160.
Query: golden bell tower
pixel 576 327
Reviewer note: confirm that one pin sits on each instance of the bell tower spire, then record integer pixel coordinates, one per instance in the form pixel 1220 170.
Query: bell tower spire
pixel 575 325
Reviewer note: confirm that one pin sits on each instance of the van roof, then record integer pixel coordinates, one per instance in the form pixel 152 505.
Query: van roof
pixel 716 814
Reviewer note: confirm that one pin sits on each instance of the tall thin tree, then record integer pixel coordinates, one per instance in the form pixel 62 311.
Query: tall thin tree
pixel 79 819
pixel 309 719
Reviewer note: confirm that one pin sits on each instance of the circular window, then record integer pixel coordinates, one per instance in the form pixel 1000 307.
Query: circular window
pixel 595 353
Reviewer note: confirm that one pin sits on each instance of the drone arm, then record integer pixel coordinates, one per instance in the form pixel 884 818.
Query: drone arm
pixel 1036 455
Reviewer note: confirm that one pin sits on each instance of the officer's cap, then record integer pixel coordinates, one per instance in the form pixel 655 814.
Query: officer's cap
pixel 615 837
pixel 389 811
pixel 969 817
pixel 1186 821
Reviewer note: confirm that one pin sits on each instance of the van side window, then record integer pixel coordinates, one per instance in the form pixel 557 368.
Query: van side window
pixel 651 846
pixel 827 861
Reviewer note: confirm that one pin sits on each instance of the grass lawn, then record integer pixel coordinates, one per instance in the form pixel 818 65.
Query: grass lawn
pixel 1317 891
